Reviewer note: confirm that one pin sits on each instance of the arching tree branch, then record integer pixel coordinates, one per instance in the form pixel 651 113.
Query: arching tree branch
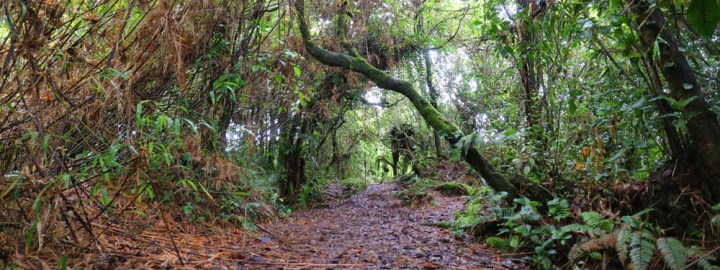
pixel 432 117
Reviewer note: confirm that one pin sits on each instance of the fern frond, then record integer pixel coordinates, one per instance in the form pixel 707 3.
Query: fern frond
pixel 623 242
pixel 703 259
pixel 581 228
pixel 641 249
pixel 597 220
pixel 559 208
pixel 706 265
pixel 673 252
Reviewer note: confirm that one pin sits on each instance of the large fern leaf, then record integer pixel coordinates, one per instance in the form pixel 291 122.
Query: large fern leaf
pixel 673 252
pixel 642 248
pixel 623 242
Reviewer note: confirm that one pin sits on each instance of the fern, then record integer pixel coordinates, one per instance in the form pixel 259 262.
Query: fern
pixel 703 259
pixel 579 228
pixel 641 249
pixel 559 208
pixel 623 242
pixel 596 220
pixel 673 252
pixel 706 265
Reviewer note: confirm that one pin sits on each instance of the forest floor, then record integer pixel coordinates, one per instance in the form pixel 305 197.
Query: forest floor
pixel 367 230
pixel 373 230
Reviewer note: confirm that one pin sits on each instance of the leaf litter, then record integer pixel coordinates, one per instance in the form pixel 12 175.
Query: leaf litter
pixel 371 230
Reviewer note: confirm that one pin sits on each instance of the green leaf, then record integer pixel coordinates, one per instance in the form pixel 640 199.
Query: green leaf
pixel 702 257
pixel 297 71
pixel 579 228
pixel 597 220
pixel 673 252
pixel 30 233
pixel 559 208
pixel 623 242
pixel 572 107
pixel 641 250
pixel 656 50
pixel 509 132
pixel 716 207
pixel 104 197
pixel 704 16
pixel 138 115
pixel 499 243
pixel 62 264
pixel 12 185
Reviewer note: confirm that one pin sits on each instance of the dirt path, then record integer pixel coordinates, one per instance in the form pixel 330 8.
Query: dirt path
pixel 370 230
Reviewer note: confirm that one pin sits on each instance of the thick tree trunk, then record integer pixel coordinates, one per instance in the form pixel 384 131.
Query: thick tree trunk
pixel 675 142
pixel 702 123
pixel 432 117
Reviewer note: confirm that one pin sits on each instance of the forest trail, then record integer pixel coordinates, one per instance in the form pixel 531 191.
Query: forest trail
pixel 370 230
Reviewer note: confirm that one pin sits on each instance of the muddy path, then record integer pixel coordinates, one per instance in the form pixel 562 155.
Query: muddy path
pixel 370 230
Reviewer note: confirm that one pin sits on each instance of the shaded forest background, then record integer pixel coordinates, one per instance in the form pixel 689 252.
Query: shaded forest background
pixel 591 126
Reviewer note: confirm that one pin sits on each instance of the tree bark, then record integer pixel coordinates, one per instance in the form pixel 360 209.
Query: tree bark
pixel 431 116
pixel 702 123
pixel 432 92
pixel 675 142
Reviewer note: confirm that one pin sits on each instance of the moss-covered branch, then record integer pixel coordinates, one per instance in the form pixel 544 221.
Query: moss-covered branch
pixel 432 117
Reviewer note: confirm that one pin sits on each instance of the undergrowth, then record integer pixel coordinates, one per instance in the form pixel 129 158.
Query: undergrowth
pixel 578 240
pixel 354 185
pixel 414 190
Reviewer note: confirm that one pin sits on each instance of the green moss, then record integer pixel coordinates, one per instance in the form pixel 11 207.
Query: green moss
pixel 439 224
pixel 499 243
pixel 414 190
pixel 414 198
pixel 432 117
pixel 354 185
pixel 454 188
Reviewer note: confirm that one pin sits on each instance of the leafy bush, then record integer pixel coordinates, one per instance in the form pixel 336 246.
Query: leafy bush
pixel 310 193
pixel 519 228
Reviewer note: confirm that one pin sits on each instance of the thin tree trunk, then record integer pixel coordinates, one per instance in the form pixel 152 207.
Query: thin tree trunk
pixel 432 92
